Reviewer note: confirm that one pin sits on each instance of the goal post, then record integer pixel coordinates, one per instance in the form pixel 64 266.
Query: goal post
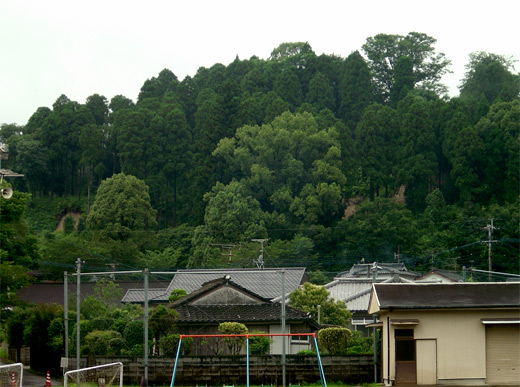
pixel 105 375
pixel 247 336
pixel 11 375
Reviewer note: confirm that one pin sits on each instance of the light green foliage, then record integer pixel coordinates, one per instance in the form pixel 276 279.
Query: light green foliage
pixel 335 340
pixel 176 294
pixel 359 345
pixel 234 344
pixel 384 51
pixel 290 167
pixel 232 215
pixel 122 207
pixel 309 296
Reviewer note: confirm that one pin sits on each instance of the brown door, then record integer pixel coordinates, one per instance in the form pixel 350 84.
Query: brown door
pixel 405 357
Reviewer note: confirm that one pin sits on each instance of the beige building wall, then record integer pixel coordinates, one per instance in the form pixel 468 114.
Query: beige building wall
pixel 459 337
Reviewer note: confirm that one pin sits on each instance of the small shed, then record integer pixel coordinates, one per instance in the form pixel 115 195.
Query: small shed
pixel 457 333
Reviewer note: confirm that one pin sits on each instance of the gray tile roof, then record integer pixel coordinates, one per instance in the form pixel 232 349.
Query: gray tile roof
pixel 355 292
pixel 267 283
pixel 52 292
pixel 450 275
pixel 267 312
pixel 364 270
pixel 450 295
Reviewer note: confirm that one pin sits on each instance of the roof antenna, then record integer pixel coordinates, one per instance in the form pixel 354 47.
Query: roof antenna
pixel 260 261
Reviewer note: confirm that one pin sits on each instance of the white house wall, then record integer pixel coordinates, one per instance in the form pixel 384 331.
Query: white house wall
pixel 460 342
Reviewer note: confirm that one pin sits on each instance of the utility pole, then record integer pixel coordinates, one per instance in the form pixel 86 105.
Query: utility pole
pixel 145 323
pixel 490 228
pixel 78 313
pixel 260 261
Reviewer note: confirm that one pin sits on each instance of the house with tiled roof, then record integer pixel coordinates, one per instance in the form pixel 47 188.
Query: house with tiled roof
pixel 355 292
pixel 223 300
pixel 464 333
pixel 440 276
pixel 53 292
pixel 265 282
pixel 379 270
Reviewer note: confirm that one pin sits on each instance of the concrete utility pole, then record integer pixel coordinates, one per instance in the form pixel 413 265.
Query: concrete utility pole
pixel 284 377
pixel 490 228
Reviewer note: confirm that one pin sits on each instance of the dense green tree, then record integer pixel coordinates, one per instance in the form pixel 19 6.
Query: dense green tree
pixel 403 80
pixel 19 250
pixel 162 322
pixel 59 134
pixel 31 160
pixel 91 140
pixel 356 89
pixel 384 51
pixel 490 75
pixel 98 106
pixel 157 87
pixel 38 335
pixel 377 230
pixel 297 54
pixel 376 138
pixel 417 162
pixel 321 92
pixel 309 296
pixel 122 207
pixel 287 85
pixel 290 167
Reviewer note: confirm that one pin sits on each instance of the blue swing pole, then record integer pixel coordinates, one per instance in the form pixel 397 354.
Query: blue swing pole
pixel 320 366
pixel 247 356
pixel 176 361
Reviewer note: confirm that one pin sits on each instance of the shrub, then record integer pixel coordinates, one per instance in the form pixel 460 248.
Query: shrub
pixel 306 352
pixel 169 344
pixel 259 345
pixel 99 342
pixel 359 345
pixel 234 344
pixel 335 340
pixel 69 224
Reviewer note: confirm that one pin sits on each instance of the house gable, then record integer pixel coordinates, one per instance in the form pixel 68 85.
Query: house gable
pixel 226 295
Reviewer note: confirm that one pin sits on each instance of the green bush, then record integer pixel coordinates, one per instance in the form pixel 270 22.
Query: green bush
pixel 306 352
pixel 169 344
pixel 360 345
pixel 259 345
pixel 134 333
pixel 99 342
pixel 69 224
pixel 335 340
pixel 234 344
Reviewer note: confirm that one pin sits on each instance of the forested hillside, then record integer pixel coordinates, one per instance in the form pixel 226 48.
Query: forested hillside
pixel 331 159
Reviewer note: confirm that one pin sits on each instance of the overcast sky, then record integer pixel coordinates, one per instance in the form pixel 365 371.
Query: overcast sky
pixel 109 47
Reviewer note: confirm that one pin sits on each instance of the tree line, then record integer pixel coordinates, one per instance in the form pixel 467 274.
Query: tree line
pixel 331 159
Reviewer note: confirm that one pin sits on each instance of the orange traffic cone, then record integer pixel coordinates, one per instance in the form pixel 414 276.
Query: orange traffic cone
pixel 13 379
pixel 48 380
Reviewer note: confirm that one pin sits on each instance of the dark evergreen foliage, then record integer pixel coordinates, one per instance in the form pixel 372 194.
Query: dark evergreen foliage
pixel 421 173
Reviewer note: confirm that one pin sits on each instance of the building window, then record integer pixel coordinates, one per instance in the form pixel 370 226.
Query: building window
pixel 300 329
